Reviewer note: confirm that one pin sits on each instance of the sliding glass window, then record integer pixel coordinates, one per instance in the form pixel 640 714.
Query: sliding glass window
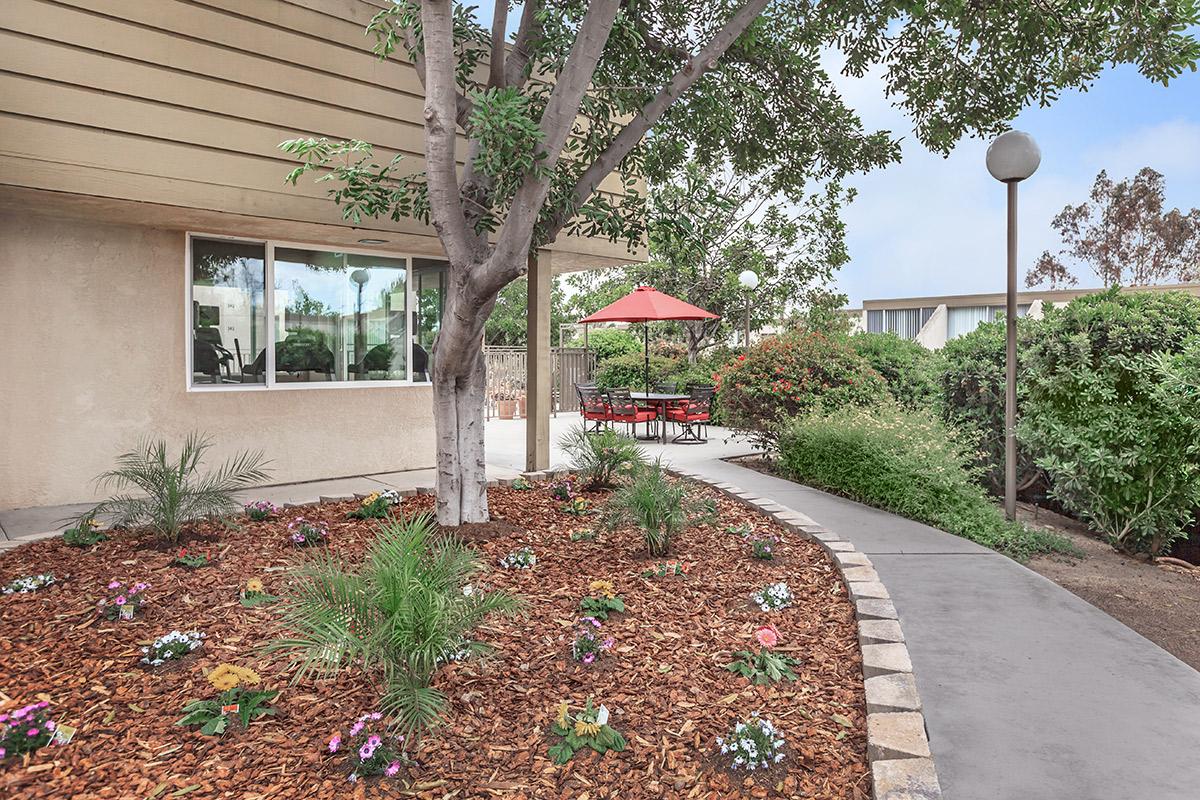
pixel 228 311
pixel 340 317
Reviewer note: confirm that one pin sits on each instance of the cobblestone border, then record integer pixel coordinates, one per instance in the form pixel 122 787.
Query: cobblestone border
pixel 902 765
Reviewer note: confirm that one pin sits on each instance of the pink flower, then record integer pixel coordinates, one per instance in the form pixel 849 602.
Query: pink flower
pixel 3 752
pixel 32 732
pixel 121 600
pixel 589 658
pixel 374 741
pixel 366 751
pixel 607 643
pixel 335 743
pixel 356 728
pixel 392 769
pixel 114 584
pixel 767 636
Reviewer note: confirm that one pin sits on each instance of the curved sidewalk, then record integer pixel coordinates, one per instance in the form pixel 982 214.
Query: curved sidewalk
pixel 1028 691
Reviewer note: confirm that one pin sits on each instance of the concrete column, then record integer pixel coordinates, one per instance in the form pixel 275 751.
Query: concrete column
pixel 537 379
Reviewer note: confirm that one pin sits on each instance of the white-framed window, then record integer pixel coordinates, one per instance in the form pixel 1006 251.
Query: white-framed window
pixel 265 314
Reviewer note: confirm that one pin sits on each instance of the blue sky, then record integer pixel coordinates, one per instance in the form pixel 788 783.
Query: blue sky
pixel 931 225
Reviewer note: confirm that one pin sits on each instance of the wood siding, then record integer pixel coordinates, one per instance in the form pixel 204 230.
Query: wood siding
pixel 183 103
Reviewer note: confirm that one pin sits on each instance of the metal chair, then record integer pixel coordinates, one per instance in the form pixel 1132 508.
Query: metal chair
pixel 593 407
pixel 622 408
pixel 693 414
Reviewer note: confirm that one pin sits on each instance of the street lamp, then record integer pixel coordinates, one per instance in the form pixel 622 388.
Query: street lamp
pixel 360 277
pixel 1011 158
pixel 749 281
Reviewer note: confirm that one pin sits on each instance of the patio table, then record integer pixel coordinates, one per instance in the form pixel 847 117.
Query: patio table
pixel 662 400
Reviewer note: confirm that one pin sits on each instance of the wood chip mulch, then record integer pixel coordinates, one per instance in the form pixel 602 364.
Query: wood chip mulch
pixel 664 680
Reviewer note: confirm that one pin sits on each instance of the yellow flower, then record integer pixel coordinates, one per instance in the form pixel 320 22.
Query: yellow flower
pixel 223 678
pixel 562 715
pixel 247 676
pixel 254 585
pixel 371 498
pixel 586 728
pixel 603 587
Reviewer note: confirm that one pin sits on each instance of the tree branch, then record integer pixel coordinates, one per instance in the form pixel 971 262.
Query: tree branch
pixel 462 106
pixel 497 58
pixel 556 123
pixel 632 133
pixel 445 207
pixel 522 50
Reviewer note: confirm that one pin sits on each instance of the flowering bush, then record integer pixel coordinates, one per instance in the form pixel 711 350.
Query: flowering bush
pixel 563 490
pixel 368 751
pixel 577 506
pixel 303 533
pixel 773 597
pixel 663 569
pixel 125 601
pixel 588 644
pixel 764 666
pixel 25 730
pixel 261 509
pixel 234 700
pixel 791 375
pixel 762 544
pixel 30 583
pixel 85 534
pixel 519 559
pixel 171 647
pixel 604 600
pixel 376 505
pixel 753 744
pixel 191 560
pixel 588 728
pixel 255 594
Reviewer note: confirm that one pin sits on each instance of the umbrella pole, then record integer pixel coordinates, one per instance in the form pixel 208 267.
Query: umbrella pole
pixel 646 345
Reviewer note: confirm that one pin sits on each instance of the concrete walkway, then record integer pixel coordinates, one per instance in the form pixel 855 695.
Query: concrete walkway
pixel 1029 692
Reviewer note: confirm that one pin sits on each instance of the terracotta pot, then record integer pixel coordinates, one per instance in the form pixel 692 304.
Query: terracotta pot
pixel 521 406
pixel 506 409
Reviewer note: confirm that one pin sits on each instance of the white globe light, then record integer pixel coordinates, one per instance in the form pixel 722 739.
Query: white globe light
pixel 1013 156
pixel 748 279
pixel 360 276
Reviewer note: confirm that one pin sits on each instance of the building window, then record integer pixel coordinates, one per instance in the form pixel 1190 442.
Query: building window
pixel 334 318
pixel 229 318
pixel 961 321
pixel 874 322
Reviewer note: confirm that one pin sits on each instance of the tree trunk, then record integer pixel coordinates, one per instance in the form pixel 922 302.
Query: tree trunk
pixel 695 338
pixel 459 385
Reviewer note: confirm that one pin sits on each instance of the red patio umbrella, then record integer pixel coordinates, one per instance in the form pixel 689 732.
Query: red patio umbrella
pixel 647 304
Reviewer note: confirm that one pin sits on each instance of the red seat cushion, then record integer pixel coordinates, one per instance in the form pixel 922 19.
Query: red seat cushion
pixel 682 415
pixel 640 415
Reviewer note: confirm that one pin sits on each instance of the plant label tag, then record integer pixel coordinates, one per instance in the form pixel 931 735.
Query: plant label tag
pixel 232 708
pixel 127 611
pixel 602 715
pixel 63 735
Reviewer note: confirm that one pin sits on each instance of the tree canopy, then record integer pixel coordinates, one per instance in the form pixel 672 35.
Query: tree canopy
pixel 1124 235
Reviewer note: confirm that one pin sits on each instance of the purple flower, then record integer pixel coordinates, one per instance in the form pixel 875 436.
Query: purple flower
pixel 375 715
pixel 3 752
pixel 607 643
pixel 335 743
pixel 115 584
pixel 32 732
pixel 374 741
pixel 365 752
pixel 589 658
pixel 392 769
pixel 356 728
pixel 121 600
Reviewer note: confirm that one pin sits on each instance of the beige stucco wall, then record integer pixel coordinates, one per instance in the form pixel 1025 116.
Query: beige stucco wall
pixel 92 358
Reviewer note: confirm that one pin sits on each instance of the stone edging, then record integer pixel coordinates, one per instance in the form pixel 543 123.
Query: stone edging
pixel 902 765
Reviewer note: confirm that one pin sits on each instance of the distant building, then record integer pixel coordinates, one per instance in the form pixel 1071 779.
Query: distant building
pixel 933 321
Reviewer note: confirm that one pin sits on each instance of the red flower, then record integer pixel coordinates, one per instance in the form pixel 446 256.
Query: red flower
pixel 742 357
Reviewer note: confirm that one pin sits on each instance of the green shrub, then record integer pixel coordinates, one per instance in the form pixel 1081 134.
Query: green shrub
pixel 164 493
pixel 601 458
pixel 906 462
pixel 656 504
pixel 609 343
pixel 1112 401
pixel 911 371
pixel 629 371
pixel 972 396
pixel 789 376
pixel 398 614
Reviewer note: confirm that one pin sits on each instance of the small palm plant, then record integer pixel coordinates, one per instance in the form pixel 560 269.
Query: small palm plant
pixel 655 503
pixel 602 458
pixel 164 493
pixel 399 615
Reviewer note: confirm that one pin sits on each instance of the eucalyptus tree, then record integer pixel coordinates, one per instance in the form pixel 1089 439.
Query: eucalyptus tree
pixel 633 88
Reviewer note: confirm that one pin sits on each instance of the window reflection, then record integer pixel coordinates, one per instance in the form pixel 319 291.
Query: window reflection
pixel 429 286
pixel 228 315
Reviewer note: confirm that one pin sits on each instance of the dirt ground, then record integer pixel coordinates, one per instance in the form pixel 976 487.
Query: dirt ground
pixel 1160 602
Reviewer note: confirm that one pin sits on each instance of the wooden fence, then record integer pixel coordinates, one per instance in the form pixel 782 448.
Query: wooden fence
pixel 507 369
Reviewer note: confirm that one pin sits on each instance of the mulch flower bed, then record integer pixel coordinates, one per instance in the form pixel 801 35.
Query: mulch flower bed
pixel 663 678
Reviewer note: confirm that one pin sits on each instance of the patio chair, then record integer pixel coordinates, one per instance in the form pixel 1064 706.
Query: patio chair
pixel 623 409
pixel 593 407
pixel 693 414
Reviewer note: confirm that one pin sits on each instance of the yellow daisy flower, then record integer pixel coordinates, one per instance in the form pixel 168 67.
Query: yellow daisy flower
pixel 603 587
pixel 254 585
pixel 562 715
pixel 586 728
